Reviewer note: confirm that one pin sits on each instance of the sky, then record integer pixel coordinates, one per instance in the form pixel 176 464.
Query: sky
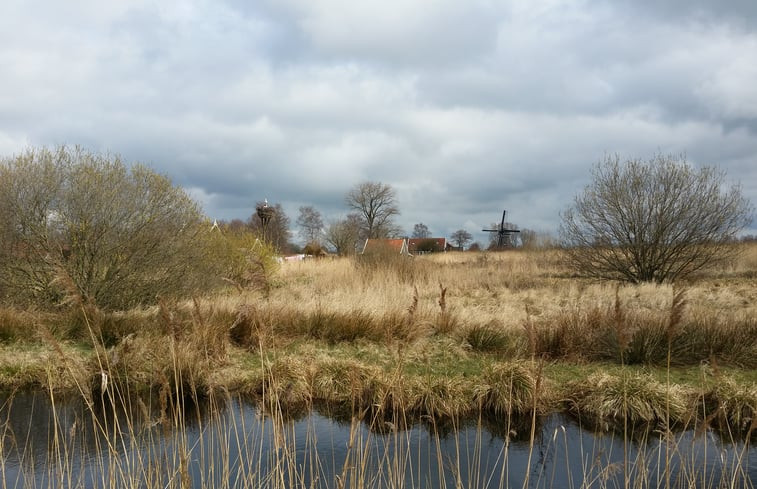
pixel 465 108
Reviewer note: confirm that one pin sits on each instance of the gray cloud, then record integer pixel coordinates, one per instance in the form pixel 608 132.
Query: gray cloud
pixel 466 108
pixel 740 14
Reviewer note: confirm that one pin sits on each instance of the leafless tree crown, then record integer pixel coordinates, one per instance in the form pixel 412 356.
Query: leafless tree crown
pixel 376 203
pixel 343 234
pixel 420 230
pixel 461 237
pixel 310 223
pixel 657 220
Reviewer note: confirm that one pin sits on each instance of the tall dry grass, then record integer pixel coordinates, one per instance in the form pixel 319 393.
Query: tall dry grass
pixel 484 299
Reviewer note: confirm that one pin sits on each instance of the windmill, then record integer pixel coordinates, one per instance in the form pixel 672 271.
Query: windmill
pixel 503 234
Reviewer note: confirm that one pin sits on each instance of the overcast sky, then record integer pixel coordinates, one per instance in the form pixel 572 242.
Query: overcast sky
pixel 465 107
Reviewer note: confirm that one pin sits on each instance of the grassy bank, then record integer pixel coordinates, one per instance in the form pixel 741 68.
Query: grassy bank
pixel 441 336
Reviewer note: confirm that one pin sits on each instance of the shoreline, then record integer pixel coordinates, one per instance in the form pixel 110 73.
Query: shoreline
pixel 300 379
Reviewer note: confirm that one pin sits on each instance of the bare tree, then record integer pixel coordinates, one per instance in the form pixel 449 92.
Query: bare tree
pixel 376 203
pixel 532 239
pixel 311 224
pixel 421 231
pixel 343 234
pixel 529 239
pixel 461 237
pixel 652 221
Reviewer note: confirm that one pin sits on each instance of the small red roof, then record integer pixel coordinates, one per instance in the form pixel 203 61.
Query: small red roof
pixel 375 245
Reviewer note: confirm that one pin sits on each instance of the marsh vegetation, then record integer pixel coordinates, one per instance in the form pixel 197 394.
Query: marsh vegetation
pixel 505 339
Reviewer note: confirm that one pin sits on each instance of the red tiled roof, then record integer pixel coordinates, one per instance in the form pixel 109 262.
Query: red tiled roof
pixel 384 244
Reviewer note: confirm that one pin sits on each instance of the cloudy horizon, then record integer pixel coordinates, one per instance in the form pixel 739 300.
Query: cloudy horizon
pixel 465 108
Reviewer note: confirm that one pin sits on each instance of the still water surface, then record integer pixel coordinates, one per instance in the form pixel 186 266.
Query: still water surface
pixel 62 444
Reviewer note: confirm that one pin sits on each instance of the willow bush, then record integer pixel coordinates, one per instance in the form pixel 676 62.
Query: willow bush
pixel 659 220
pixel 82 226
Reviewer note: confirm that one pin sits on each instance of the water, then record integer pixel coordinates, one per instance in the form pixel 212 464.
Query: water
pixel 63 444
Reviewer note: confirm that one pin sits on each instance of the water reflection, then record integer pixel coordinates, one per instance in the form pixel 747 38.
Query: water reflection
pixel 142 443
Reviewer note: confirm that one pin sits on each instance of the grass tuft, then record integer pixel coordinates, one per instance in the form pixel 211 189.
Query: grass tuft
pixel 17 324
pixel 286 386
pixel 442 399
pixel 493 338
pixel 606 400
pixel 343 382
pixel 335 327
pixel 732 406
pixel 507 389
pixel 248 330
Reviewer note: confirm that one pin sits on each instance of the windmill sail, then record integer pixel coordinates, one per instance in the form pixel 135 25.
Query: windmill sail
pixel 503 234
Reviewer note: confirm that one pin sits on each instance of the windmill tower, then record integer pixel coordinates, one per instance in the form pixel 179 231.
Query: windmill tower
pixel 503 234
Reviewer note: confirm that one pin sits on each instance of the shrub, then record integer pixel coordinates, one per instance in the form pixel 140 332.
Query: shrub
pixel 652 221
pixel 314 249
pixel 82 226
pixel 251 262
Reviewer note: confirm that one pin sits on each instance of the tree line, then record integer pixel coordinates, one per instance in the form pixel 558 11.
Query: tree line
pixel 373 208
pixel 77 226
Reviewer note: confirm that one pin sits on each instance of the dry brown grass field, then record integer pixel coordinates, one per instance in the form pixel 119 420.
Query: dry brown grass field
pixel 441 336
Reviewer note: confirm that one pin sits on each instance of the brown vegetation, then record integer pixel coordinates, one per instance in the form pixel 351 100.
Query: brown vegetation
pixel 441 336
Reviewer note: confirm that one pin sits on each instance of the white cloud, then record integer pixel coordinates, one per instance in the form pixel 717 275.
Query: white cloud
pixel 730 90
